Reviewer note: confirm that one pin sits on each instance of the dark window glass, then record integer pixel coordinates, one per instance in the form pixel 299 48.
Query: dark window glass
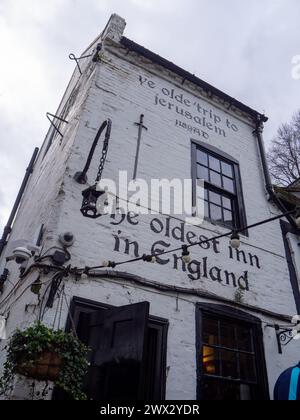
pixel 206 210
pixel 215 179
pixel 227 334
pixel 206 194
pixel 227 203
pixel 244 340
pixel 227 169
pixel 214 164
pixel 215 213
pixel 220 189
pixel 247 367
pixel 228 184
pixel 229 364
pixel 202 158
pixel 215 198
pixel 228 360
pixel 217 390
pixel 202 173
pixel 228 218
pixel 211 390
pixel 210 331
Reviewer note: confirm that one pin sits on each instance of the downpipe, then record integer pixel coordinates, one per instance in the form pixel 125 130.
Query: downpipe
pixel 268 182
pixel 8 227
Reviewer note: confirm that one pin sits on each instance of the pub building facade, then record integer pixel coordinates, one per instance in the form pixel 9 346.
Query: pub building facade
pixel 202 328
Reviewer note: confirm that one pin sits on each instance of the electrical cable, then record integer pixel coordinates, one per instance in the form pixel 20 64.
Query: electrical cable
pixel 240 230
pixel 45 254
pixel 42 312
pixel 24 291
pixel 64 271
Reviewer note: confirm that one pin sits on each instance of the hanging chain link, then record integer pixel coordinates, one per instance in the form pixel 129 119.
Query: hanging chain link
pixel 81 177
pixel 104 150
pixel 103 159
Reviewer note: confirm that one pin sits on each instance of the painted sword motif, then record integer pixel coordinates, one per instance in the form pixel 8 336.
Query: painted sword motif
pixel 141 128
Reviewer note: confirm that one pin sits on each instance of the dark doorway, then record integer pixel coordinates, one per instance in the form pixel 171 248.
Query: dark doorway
pixel 128 351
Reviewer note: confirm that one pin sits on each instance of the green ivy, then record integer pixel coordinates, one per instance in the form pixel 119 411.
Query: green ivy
pixel 29 344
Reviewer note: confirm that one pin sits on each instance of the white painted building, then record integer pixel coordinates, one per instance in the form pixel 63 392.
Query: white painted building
pixel 211 327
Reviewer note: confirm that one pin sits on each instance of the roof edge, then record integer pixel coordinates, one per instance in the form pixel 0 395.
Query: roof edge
pixel 131 45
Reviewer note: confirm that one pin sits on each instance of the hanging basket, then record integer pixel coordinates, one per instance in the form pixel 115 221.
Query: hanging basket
pixel 47 367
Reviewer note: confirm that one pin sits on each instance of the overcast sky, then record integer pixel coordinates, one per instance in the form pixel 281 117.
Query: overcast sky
pixel 242 47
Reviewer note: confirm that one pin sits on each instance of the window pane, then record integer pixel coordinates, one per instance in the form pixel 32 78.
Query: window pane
pixel 202 157
pixel 228 217
pixel 210 331
pixel 227 334
pixel 244 338
pixel 227 203
pixel 218 390
pixel 228 184
pixel 247 367
pixel 216 213
pixel 202 173
pixel 227 169
pixel 211 364
pixel 215 198
pixel 206 209
pixel 230 391
pixel 210 390
pixel 245 392
pixel 229 364
pixel 206 194
pixel 214 164
pixel 215 179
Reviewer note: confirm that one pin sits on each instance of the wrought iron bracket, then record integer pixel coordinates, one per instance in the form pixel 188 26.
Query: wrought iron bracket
pixel 94 55
pixel 284 337
pixel 52 118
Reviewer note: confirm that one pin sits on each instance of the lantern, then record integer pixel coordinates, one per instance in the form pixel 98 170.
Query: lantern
pixel 89 206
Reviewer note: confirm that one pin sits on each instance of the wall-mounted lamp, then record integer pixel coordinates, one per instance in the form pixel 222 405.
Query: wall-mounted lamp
pixel 89 206
pixel 92 194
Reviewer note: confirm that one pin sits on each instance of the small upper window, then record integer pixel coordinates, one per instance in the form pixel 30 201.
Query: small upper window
pixel 223 193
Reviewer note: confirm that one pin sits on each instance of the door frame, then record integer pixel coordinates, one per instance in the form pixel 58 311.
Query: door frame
pixel 79 305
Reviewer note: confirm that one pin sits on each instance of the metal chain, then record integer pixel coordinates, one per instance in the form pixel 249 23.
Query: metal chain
pixel 81 177
pixel 102 160
pixel 104 152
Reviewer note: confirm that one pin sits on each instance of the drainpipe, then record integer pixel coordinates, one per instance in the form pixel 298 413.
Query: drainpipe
pixel 8 227
pixel 269 186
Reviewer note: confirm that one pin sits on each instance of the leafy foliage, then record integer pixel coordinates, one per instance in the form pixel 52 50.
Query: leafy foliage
pixel 284 155
pixel 27 346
